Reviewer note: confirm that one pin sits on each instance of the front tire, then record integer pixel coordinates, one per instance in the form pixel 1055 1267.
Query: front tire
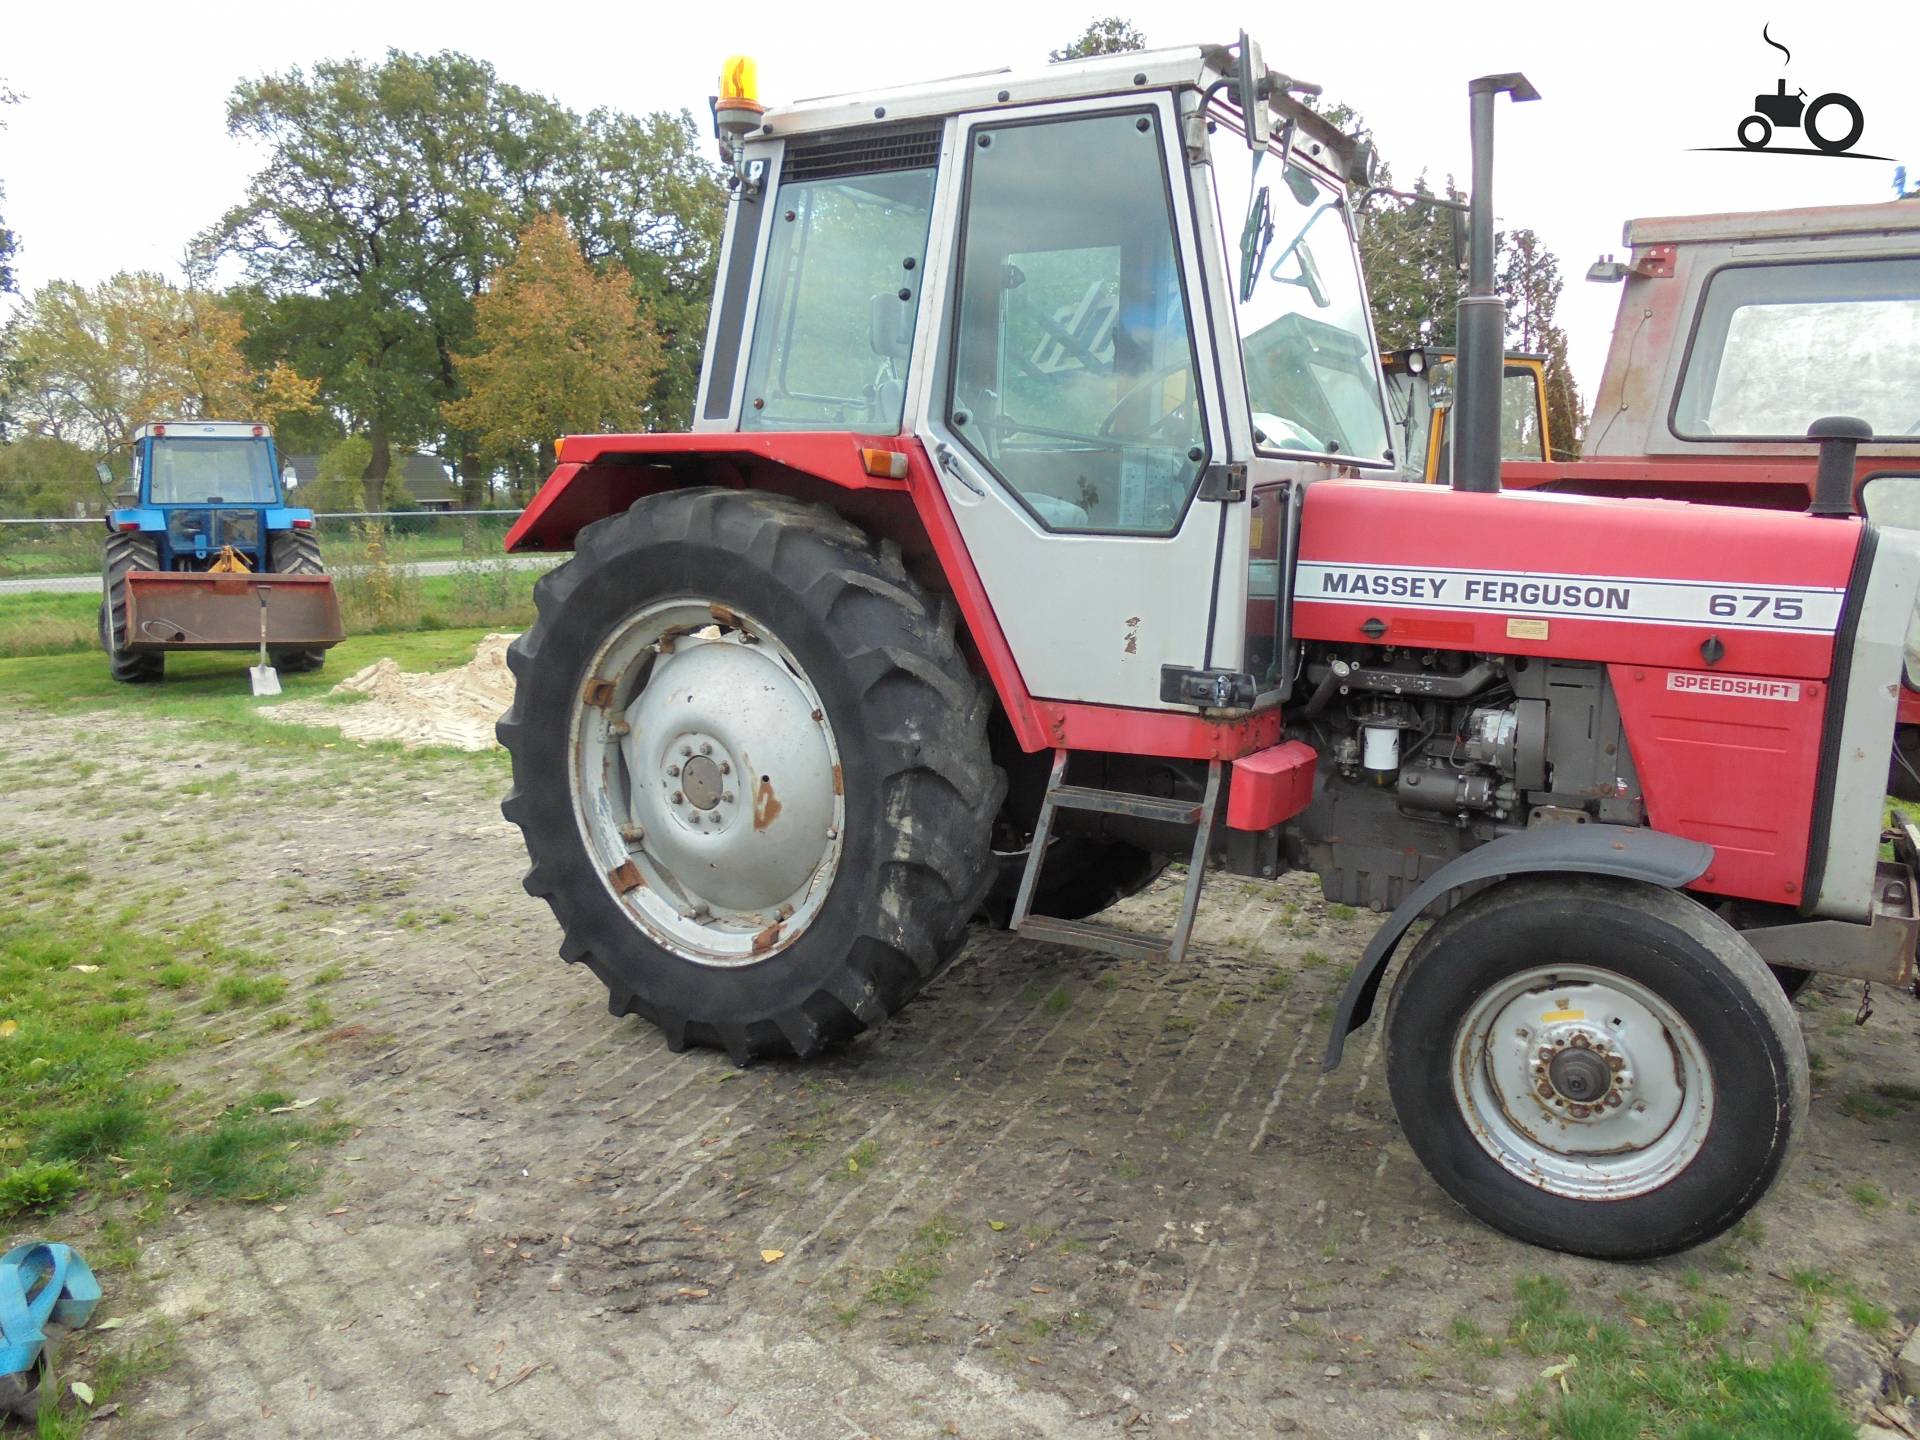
pixel 1595 1065
pixel 126 551
pixel 751 768
pixel 295 552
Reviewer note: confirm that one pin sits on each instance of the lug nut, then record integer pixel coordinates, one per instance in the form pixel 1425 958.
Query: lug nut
pixel 725 768
pixel 678 798
pixel 727 798
pixel 705 748
pixel 673 770
pixel 687 751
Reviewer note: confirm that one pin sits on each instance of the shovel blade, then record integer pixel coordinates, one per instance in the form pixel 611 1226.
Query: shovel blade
pixel 266 679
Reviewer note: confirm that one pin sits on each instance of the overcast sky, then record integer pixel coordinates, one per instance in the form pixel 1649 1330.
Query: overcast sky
pixel 118 152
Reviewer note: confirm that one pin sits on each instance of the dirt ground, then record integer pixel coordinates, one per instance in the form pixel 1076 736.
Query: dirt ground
pixel 1060 1196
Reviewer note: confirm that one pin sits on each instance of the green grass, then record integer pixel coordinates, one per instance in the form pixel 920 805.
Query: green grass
pixel 90 1004
pixel 910 1279
pixel 1630 1367
pixel 210 691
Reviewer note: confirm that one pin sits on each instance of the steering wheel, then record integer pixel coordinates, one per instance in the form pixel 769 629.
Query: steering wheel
pixel 1165 372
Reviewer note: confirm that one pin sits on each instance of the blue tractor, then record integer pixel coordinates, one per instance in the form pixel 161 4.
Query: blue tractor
pixel 209 556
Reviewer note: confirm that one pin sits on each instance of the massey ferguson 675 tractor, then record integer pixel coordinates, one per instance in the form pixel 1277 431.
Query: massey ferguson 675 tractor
pixel 1032 529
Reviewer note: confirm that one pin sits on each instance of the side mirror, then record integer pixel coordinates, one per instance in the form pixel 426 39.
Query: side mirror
pixel 105 472
pixel 1251 82
pixel 289 479
pixel 1460 234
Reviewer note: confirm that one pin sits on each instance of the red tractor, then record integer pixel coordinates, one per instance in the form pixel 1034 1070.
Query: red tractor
pixel 1036 525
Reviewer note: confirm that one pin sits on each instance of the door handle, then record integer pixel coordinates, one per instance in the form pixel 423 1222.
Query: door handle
pixel 950 463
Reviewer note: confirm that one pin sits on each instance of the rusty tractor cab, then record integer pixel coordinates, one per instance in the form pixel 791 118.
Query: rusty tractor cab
pixel 1040 525
pixel 1420 387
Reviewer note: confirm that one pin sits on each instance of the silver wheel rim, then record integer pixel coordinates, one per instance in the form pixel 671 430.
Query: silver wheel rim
pixel 1582 1082
pixel 706 782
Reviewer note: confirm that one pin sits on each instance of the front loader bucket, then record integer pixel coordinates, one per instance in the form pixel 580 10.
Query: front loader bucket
pixel 194 610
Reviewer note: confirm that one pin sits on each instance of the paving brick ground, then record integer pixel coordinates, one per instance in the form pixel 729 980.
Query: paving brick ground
pixel 1059 1196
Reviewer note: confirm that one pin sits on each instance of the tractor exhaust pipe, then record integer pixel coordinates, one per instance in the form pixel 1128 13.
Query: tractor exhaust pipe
pixel 1840 438
pixel 1480 335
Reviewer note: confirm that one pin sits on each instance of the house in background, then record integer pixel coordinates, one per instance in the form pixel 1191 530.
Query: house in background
pixel 426 478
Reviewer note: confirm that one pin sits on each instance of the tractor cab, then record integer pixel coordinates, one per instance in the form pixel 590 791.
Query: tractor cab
pixel 202 486
pixel 1112 307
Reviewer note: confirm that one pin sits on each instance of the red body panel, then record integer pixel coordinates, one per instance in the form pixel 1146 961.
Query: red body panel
pixel 604 474
pixel 1726 753
pixel 1735 771
pixel 1272 786
pixel 1764 481
pixel 1376 523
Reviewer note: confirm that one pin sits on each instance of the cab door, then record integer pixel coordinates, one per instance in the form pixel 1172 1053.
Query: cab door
pixel 1068 390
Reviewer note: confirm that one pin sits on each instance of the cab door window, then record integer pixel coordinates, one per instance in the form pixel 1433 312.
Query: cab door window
pixel 1073 375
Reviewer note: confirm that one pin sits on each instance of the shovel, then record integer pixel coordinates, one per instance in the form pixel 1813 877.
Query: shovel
pixel 266 680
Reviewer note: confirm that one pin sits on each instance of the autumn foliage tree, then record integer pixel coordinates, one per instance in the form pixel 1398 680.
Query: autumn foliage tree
pixel 87 364
pixel 558 348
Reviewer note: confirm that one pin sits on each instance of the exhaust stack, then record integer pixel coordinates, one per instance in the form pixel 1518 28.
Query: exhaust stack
pixel 1481 330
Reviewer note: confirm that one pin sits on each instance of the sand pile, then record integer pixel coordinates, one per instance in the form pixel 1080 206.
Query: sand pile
pixel 447 707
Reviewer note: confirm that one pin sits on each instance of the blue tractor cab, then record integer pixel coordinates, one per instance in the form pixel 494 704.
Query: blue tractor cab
pixel 209 501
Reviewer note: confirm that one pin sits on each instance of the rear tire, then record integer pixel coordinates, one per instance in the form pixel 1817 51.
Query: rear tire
pixel 752 601
pixel 126 551
pixel 295 552
pixel 1574 983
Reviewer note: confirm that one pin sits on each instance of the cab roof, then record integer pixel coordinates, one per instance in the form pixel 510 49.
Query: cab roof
pixel 1888 217
pixel 1182 67
pixel 205 429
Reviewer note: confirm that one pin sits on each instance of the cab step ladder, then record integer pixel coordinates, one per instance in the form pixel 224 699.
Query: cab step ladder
pixel 1084 934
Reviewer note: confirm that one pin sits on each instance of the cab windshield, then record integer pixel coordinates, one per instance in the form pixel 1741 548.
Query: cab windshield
pixel 212 472
pixel 1779 346
pixel 1313 373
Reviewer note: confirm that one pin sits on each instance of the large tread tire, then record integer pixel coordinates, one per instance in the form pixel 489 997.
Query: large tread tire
pixel 126 551
pixel 1082 877
pixel 908 715
pixel 1673 947
pixel 295 552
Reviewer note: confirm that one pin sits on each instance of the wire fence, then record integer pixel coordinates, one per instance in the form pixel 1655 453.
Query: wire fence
pixel 65 554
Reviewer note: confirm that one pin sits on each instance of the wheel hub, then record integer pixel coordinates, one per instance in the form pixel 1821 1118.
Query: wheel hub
pixel 709 782
pixel 1580 1075
pixel 1582 1082
pixel 701 779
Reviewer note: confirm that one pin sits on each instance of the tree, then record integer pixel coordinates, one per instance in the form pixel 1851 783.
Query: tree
pixel 1528 274
pixel 1414 284
pixel 87 365
pixel 40 475
pixel 1108 35
pixel 392 190
pixel 558 348
pixel 337 482
pixel 9 243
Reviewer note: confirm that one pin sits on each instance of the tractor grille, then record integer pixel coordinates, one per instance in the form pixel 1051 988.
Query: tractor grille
pixel 869 152
pixel 238 528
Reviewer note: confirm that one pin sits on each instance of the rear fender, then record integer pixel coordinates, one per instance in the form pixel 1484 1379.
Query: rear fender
pixel 1626 852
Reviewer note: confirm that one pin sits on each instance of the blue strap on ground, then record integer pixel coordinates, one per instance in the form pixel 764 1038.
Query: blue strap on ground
pixel 41 1282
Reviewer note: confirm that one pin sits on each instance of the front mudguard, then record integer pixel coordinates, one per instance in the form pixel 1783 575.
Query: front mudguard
pixel 1626 852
